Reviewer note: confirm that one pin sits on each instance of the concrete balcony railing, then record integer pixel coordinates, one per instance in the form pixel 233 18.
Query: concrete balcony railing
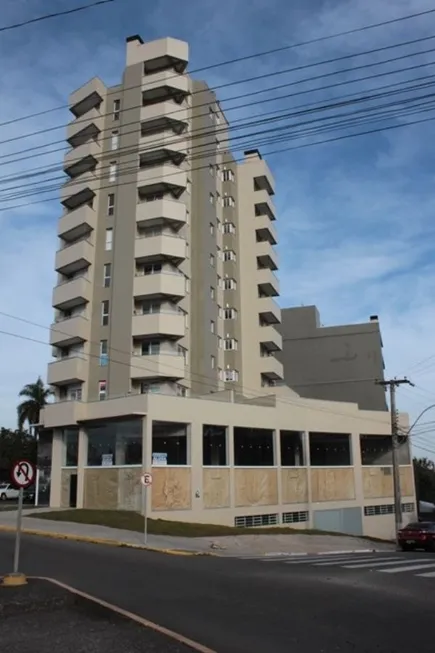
pixel 87 96
pixel 80 190
pixel 70 331
pixel 270 338
pixel 263 204
pixel 162 112
pixel 77 223
pixel 265 228
pixel 152 143
pixel 161 365
pixel 149 213
pixel 93 118
pixel 157 285
pixel 267 282
pixel 166 79
pixel 156 324
pixel 161 175
pixel 72 293
pixel 155 247
pixel 268 310
pixel 72 369
pixel 266 255
pixel 82 158
pixel 74 257
pixel 271 368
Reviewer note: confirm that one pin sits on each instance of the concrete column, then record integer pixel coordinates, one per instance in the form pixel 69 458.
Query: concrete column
pixel 277 463
pixel 57 460
pixel 230 463
pixel 194 439
pixel 307 460
pixel 355 457
pixel 82 461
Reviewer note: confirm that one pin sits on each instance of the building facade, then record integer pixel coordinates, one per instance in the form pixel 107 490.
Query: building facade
pixel 166 328
pixel 335 363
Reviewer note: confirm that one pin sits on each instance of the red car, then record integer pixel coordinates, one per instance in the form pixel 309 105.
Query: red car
pixel 417 535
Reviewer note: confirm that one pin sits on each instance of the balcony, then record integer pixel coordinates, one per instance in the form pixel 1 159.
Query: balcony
pixel 158 149
pixel 170 366
pixel 265 229
pixel 154 248
pixel 157 117
pixel 148 286
pixel 268 310
pixel 77 224
pixel 70 331
pixel 271 368
pixel 163 86
pixel 270 338
pixel 87 97
pixel 82 158
pixel 266 255
pixel 267 282
pixel 72 293
pixel 149 214
pixel 264 204
pixel 76 192
pixel 159 324
pixel 160 178
pixel 84 128
pixel 67 370
pixel 74 257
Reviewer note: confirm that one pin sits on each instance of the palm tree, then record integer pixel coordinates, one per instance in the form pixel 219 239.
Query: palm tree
pixel 36 397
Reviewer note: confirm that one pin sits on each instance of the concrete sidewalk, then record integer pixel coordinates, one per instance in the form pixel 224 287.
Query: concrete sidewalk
pixel 230 545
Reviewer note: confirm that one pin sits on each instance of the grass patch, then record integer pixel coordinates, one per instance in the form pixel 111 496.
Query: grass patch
pixel 133 521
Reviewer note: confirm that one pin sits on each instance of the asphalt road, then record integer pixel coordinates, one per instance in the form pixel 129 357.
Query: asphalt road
pixel 240 606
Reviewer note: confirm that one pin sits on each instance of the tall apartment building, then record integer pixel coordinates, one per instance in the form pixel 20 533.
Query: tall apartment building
pixel 166 261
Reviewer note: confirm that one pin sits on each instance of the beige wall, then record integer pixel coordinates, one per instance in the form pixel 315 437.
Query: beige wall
pixel 378 482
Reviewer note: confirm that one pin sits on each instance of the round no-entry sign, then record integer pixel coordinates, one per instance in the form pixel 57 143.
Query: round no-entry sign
pixel 23 473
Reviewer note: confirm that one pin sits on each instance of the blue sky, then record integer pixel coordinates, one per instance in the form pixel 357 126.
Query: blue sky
pixel 355 217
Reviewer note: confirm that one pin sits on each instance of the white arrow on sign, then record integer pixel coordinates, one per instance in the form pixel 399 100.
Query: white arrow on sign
pixel 23 473
pixel 146 480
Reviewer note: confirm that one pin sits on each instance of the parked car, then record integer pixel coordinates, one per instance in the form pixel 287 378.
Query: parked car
pixel 417 535
pixel 29 495
pixel 7 491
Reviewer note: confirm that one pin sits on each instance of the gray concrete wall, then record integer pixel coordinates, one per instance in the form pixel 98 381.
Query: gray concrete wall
pixel 338 363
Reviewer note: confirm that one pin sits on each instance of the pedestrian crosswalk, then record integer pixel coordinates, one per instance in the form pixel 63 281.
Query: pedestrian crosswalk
pixel 417 564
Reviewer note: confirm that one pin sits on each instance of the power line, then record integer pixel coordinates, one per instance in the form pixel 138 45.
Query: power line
pixel 259 54
pixel 256 78
pixel 270 153
pixel 54 15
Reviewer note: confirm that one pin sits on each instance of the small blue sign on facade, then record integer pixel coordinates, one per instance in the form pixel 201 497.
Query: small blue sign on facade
pixel 160 459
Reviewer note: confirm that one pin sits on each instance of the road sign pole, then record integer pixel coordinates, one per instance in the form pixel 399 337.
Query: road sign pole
pixel 18 533
pixel 145 519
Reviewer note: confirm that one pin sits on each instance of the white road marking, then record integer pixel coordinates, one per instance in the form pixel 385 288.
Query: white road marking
pixel 319 561
pixel 383 563
pixel 366 561
pixel 430 574
pixel 397 570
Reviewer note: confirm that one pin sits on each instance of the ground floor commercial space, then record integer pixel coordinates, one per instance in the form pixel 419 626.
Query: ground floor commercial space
pixel 224 460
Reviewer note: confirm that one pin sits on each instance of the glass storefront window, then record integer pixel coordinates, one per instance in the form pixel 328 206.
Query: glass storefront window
pixel 115 443
pixel 71 447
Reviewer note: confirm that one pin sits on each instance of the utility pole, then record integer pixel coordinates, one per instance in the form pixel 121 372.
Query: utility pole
pixel 392 384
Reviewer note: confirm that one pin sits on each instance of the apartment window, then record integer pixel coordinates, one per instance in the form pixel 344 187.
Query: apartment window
pixel 113 167
pixel 111 204
pixel 212 326
pixel 187 217
pixel 188 186
pixel 115 140
pixel 228 228
pixel 219 342
pixel 181 391
pixel 227 175
pixel 212 228
pixel 219 282
pixel 104 353
pixel 211 198
pixel 229 255
pixel 211 170
pixel 230 344
pixel 218 145
pixel 231 375
pixel 150 388
pixel 116 109
pixel 105 313
pixel 156 268
pixel 150 307
pixel 211 114
pixel 230 314
pixel 187 285
pixel 230 284
pixel 107 276
pixel 212 292
pixel 219 252
pixel 227 200
pixel 212 362
pixel 74 393
pixel 212 260
pixel 151 348
pixel 109 239
pixel 102 390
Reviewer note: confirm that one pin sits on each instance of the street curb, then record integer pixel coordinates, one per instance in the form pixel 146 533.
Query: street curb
pixel 181 639
pixel 103 541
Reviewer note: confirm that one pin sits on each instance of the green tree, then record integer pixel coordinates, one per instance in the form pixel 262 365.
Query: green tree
pixel 15 445
pixel 424 472
pixel 36 397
